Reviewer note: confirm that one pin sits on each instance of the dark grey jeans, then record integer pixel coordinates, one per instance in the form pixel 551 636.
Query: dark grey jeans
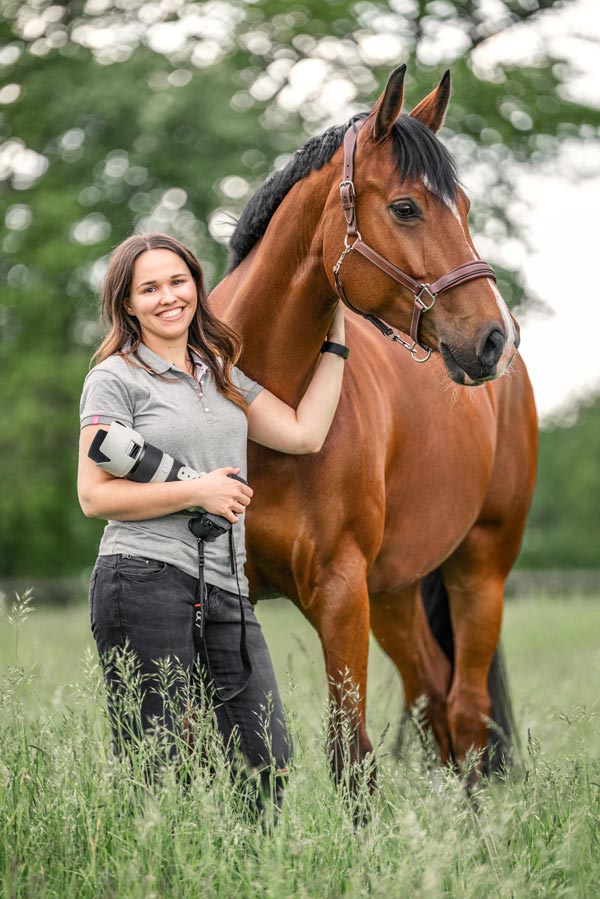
pixel 148 606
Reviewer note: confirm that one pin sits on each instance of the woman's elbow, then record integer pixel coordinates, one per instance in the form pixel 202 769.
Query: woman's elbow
pixel 87 508
pixel 295 443
pixel 86 502
pixel 309 445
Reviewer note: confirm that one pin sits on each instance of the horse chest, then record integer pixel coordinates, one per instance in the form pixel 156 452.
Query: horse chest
pixel 436 489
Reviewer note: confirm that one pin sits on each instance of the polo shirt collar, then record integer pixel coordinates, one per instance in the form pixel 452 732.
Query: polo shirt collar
pixel 156 363
pixel 153 360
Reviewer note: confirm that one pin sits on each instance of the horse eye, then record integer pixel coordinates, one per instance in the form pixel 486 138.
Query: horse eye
pixel 404 210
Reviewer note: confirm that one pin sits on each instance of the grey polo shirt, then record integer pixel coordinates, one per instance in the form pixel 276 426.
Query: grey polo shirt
pixel 194 423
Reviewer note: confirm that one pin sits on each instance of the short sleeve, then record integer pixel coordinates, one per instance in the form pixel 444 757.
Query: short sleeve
pixel 105 399
pixel 249 388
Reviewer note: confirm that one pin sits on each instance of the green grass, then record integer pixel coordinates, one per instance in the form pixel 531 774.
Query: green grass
pixel 76 823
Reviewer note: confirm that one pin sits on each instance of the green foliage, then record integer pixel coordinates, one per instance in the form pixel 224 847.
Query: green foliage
pixel 113 130
pixel 563 523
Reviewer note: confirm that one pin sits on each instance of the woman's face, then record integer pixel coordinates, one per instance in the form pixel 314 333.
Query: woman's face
pixel 163 297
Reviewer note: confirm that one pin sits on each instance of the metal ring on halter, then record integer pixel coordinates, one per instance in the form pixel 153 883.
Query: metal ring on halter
pixel 415 348
pixel 419 300
pixel 350 245
pixel 412 348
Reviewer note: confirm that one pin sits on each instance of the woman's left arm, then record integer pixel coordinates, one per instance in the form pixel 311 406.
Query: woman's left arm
pixel 273 423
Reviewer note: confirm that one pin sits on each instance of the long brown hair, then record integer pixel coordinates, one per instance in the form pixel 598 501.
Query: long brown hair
pixel 212 339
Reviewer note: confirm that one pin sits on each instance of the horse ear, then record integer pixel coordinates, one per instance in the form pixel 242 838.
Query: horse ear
pixel 432 109
pixel 388 107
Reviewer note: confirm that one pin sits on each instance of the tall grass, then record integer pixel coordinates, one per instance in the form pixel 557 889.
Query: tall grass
pixel 77 822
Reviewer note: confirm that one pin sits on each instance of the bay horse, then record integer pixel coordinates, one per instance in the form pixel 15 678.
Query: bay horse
pixel 409 519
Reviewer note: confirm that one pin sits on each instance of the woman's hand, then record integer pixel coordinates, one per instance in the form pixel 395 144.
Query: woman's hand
pixel 337 331
pixel 220 494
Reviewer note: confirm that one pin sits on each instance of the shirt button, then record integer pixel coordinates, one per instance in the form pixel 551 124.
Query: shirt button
pixel 207 410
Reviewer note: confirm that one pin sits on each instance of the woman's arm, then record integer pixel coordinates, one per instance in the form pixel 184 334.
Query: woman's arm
pixel 273 423
pixel 103 496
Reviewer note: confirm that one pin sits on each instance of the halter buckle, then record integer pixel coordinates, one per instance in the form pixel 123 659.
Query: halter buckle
pixel 348 198
pixel 421 302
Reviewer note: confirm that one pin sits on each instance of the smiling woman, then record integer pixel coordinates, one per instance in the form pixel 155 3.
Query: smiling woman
pixel 163 298
pixel 167 369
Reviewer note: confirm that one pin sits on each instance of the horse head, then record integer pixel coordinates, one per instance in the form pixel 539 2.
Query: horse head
pixel 406 212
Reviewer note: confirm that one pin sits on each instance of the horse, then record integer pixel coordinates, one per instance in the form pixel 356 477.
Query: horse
pixel 409 519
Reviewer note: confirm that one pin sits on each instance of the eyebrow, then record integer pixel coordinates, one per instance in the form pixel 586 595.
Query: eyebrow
pixel 153 280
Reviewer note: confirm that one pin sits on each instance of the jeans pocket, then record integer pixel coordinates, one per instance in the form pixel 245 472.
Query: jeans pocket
pixel 139 568
pixel 222 606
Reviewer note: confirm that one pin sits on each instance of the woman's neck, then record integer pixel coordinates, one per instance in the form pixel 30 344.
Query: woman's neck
pixel 175 352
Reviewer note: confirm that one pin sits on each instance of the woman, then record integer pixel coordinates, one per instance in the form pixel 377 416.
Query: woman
pixel 167 369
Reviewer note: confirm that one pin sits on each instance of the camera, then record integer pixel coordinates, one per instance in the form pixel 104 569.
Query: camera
pixel 123 453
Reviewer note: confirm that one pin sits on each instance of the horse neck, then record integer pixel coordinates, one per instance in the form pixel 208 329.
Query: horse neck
pixel 279 299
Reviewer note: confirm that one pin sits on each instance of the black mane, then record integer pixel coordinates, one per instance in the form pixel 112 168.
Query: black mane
pixel 418 155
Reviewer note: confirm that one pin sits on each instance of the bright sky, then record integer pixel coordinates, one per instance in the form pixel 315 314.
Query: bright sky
pixel 561 347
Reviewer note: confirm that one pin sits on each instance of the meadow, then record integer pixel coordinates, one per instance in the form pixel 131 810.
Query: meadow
pixel 75 822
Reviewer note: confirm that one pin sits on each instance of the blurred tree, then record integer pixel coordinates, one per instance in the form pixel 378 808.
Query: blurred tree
pixel 563 524
pixel 166 115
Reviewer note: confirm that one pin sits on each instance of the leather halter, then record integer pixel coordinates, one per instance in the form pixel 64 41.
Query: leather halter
pixel 424 294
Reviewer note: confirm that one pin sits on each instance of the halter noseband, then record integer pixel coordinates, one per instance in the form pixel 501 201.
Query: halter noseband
pixel 424 294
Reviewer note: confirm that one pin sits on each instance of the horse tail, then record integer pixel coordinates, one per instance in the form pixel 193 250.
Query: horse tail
pixel 503 749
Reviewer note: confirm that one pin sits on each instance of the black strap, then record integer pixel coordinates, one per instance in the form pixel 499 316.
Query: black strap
pixel 338 349
pixel 200 604
pixel 200 622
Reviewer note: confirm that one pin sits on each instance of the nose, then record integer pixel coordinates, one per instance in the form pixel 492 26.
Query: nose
pixel 168 294
pixel 491 348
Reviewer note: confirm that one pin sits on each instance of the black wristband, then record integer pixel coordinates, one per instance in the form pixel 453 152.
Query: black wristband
pixel 337 348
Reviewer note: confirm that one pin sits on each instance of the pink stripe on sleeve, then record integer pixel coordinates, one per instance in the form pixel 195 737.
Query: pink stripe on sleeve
pixel 95 419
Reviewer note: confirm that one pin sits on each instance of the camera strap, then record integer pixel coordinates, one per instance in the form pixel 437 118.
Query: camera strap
pixel 200 622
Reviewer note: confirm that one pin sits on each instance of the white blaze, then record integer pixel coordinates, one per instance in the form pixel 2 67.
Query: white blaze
pixel 509 328
pixel 454 210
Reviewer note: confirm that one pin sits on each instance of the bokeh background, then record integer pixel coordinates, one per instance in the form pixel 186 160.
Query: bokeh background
pixel 168 114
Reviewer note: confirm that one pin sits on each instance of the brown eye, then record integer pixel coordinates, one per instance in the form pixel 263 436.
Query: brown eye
pixel 405 210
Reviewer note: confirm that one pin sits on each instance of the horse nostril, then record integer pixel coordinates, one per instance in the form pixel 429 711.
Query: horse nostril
pixel 492 348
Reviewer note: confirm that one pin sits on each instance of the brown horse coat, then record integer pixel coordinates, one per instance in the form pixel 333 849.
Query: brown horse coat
pixel 417 472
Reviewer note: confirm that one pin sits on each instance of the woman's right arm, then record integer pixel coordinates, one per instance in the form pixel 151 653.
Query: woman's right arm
pixel 103 496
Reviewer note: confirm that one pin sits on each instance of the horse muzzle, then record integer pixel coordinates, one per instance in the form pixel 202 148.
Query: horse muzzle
pixel 474 366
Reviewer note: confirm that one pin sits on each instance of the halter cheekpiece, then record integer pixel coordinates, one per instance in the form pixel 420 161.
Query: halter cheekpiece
pixel 424 295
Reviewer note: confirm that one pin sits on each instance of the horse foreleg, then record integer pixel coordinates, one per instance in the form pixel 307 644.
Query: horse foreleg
pixel 339 611
pixel 475 584
pixel 400 626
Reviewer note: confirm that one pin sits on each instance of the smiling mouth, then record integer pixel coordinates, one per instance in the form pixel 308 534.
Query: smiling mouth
pixel 171 314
